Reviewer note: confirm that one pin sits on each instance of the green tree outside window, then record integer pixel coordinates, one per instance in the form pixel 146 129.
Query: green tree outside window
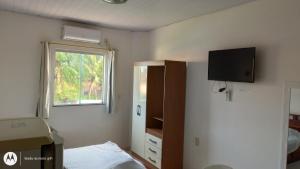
pixel 79 78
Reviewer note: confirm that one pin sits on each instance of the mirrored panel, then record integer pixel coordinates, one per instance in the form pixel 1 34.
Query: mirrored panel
pixel 293 147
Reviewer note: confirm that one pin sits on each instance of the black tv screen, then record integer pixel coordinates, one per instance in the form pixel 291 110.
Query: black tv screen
pixel 234 65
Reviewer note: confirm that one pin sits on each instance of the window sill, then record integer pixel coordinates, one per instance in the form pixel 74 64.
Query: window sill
pixel 80 105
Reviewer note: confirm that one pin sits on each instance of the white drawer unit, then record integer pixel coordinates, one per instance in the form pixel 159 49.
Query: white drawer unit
pixel 153 151
pixel 153 160
pixel 155 141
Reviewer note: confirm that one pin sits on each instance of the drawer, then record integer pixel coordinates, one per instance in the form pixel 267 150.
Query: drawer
pixel 153 151
pixel 155 141
pixel 153 160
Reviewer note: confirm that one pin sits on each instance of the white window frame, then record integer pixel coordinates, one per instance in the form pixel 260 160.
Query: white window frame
pixel 77 49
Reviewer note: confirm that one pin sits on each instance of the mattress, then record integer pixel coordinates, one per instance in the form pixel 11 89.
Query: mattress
pixel 103 156
pixel 293 140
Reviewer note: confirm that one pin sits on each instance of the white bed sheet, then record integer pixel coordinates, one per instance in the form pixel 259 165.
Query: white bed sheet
pixel 103 156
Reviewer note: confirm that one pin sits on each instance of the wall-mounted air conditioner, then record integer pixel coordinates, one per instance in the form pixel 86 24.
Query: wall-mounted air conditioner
pixel 81 34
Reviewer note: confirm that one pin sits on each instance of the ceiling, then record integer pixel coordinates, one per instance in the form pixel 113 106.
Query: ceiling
pixel 139 15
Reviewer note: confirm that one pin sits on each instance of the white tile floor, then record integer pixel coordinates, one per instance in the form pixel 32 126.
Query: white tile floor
pixel 295 165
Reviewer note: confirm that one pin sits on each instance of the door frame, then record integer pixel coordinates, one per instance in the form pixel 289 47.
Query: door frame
pixel 286 112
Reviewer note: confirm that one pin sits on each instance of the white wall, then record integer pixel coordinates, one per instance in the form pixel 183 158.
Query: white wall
pixel 295 102
pixel 20 37
pixel 245 133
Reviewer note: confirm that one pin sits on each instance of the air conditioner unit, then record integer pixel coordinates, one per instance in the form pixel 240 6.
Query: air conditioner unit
pixel 81 34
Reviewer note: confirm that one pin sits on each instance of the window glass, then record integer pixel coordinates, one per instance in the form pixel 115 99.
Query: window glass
pixel 79 78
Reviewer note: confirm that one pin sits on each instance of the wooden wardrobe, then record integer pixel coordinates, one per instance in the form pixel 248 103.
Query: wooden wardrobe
pixel 158 112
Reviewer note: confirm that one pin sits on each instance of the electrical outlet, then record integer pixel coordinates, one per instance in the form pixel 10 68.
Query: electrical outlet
pixel 197 141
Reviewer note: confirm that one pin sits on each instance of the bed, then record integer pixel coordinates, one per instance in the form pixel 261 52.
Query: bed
pixel 103 156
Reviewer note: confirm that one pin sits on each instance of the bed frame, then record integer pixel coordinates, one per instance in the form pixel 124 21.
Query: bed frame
pixel 294 123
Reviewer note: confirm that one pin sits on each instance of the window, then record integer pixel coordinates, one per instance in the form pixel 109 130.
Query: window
pixel 79 77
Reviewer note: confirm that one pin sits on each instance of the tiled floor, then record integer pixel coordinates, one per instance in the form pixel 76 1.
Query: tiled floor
pixel 295 165
pixel 146 164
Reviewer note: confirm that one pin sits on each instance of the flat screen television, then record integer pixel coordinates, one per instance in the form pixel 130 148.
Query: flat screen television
pixel 233 65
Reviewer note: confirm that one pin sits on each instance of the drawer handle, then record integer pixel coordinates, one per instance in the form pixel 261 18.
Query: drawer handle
pixel 152 150
pixel 152 141
pixel 153 161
